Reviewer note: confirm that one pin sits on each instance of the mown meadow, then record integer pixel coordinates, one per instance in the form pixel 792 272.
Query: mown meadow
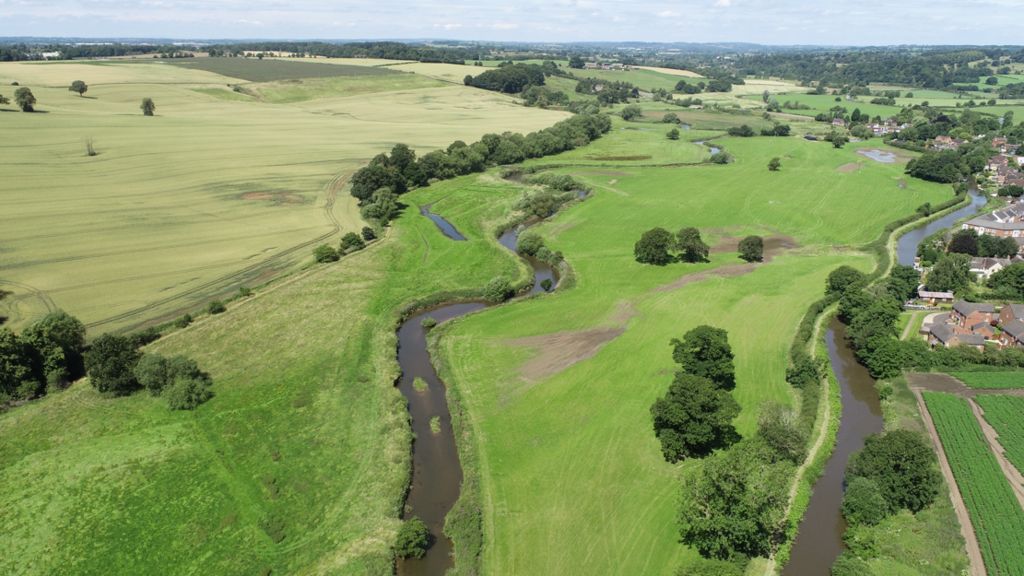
pixel 558 389
pixel 230 184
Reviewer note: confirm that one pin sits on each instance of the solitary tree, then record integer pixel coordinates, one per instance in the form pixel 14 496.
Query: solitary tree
pixel 673 134
pixel 694 418
pixel 705 351
pixel 631 112
pixel 78 86
pixel 4 100
pixel 691 247
pixel 352 242
pixel 25 100
pixel 148 107
pixel 774 164
pixel 752 248
pixel 653 247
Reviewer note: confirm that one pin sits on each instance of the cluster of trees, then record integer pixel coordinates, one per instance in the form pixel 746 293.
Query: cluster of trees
pixel 695 416
pixel 47 355
pixel 607 93
pixel 116 367
pixel 948 166
pixel 894 471
pixel 532 244
pixel 510 79
pixel 402 170
pixel 659 247
pixel 542 97
pixel 386 50
pixel 733 506
pixel 350 242
pixel 1012 190
pixel 743 131
pixel 971 243
pixel 871 314
pixel 951 273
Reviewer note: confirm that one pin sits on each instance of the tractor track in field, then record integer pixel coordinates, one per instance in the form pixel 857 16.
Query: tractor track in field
pixel 332 188
pixel 34 292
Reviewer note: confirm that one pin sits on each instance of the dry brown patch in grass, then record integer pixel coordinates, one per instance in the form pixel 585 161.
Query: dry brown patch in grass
pixel 560 350
pixel 847 168
pixel 773 246
pixel 275 198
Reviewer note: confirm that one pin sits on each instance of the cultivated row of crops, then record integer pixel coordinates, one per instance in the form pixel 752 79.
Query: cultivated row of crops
pixel 1006 415
pixel 1003 379
pixel 997 518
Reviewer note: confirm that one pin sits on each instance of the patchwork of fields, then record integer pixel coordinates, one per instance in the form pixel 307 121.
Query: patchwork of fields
pixel 220 189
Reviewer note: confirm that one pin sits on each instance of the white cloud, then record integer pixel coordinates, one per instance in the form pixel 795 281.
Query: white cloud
pixel 723 3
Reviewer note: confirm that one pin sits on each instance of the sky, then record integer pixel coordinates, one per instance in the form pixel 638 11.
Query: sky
pixel 780 22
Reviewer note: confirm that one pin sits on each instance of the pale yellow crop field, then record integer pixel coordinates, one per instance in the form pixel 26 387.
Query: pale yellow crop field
pixel 218 190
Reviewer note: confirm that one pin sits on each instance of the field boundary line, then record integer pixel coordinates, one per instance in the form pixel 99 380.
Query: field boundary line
pixel 974 557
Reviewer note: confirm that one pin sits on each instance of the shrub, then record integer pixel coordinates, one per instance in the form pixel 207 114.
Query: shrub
pixel 498 290
pixel 902 464
pixel 184 321
pixel 721 158
pixel 352 242
pixel 672 134
pixel 529 243
pixel 547 284
pixel 670 118
pixel 774 164
pixel 147 107
pixel 849 565
pixel 631 112
pixel 324 253
pixel 428 322
pixel 752 248
pixel 185 393
pixel 779 427
pixel 368 233
pixel 743 131
pixel 413 539
pixel 863 502
pixel 215 307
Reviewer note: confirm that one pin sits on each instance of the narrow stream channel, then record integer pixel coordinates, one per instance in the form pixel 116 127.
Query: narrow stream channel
pixel 436 471
pixel 819 540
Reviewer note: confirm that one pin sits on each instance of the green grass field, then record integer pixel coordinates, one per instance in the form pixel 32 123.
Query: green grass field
pixel 998 521
pixel 255 70
pixel 1004 414
pixel 218 190
pixel 1004 379
pixel 306 437
pixel 824 102
pixel 559 388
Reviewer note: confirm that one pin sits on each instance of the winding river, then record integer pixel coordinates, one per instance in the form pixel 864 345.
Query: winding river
pixel 436 471
pixel 819 540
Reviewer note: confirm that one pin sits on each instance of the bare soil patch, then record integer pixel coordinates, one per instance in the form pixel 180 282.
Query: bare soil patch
pixel 773 246
pixel 847 168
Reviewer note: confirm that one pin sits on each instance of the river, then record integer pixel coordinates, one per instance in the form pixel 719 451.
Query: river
pixel 436 471
pixel 819 540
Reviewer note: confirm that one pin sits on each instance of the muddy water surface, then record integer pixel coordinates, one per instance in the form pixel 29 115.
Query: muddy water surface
pixel 820 538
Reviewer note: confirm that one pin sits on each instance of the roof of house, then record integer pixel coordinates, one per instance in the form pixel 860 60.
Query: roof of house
pixel 942 332
pixel 940 295
pixel 981 326
pixel 988 263
pixel 1017 310
pixel 971 339
pixel 1014 328
pixel 967 308
pixel 946 334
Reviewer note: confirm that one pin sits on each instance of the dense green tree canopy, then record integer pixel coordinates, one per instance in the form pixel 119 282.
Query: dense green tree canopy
pixel 843 279
pixel 752 248
pixel 903 465
pixel 690 245
pixel 653 247
pixel 694 418
pixel 705 351
pixel 952 273
pixel 111 364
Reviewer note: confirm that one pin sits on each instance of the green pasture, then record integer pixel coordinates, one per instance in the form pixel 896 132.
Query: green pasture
pixel 824 102
pixel 573 480
pixel 637 143
pixel 298 465
pixel 997 379
pixel 218 190
pixel 643 79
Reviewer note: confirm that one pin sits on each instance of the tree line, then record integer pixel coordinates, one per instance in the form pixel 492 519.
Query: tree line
pixel 52 352
pixel 402 170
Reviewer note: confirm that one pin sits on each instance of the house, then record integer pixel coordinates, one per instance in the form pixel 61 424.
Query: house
pixel 1006 223
pixel 997 161
pixel 966 314
pixel 1013 334
pixel 1001 144
pixel 984 268
pixel 934 298
pixel 944 335
pixel 945 143
pixel 1011 312
pixel 838 123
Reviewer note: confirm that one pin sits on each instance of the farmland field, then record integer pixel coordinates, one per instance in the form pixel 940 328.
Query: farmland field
pixel 220 189
pixel 1006 415
pixel 276 69
pixel 298 465
pixel 559 388
pixel 997 518
pixel 1000 379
